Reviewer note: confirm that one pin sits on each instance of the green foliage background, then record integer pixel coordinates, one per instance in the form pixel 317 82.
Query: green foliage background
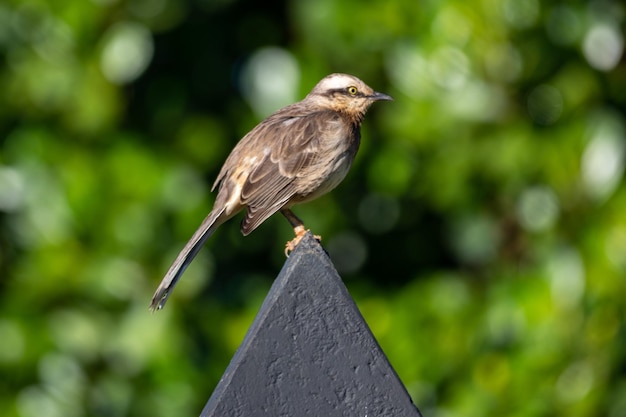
pixel 482 230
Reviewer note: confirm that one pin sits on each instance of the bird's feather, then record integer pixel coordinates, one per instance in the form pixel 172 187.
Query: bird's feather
pixel 184 258
pixel 272 182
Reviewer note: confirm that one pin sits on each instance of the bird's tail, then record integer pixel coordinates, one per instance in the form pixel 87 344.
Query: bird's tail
pixel 184 258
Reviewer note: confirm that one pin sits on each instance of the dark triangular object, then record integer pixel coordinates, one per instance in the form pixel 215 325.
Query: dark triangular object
pixel 309 352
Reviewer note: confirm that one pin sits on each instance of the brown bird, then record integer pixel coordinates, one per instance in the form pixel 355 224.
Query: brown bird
pixel 295 155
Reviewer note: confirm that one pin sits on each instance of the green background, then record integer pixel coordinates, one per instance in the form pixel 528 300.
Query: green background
pixel 481 230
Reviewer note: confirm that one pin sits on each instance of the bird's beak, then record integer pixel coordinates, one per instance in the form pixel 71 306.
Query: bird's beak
pixel 380 96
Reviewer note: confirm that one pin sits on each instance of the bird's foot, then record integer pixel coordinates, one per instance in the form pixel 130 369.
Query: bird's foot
pixel 300 231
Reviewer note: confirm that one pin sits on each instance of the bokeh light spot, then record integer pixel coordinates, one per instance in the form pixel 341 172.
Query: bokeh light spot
pixel 449 294
pixel 475 238
pixel 537 208
pixel 503 62
pixel 521 14
pixel 11 189
pixel 63 375
pixel 408 69
pixel 564 26
pixel 269 80
pixel 183 189
pixel 127 52
pixel 46 217
pixel 348 251
pixel 566 273
pixel 506 322
pixel 477 100
pixel 77 333
pixel 575 382
pixel 545 104
pixel 378 213
pixel 603 46
pixel 119 277
pixel 33 399
pixel 603 159
pixel 449 67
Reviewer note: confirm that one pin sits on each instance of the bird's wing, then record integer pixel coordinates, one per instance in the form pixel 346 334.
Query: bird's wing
pixel 292 145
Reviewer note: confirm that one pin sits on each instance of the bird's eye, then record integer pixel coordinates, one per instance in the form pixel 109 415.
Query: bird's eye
pixel 352 90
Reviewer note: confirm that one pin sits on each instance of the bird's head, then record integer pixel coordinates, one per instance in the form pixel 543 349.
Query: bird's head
pixel 346 94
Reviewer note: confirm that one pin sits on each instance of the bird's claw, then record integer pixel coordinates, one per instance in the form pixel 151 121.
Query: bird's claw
pixel 300 232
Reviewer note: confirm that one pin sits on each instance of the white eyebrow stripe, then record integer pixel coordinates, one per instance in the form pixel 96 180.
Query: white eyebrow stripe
pixel 337 82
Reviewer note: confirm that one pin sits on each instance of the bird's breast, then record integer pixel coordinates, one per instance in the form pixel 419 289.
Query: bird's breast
pixel 338 148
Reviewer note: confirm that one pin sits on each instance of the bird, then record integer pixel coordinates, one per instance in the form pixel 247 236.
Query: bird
pixel 295 155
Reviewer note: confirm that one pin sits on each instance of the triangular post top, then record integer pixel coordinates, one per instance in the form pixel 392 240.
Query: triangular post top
pixel 309 352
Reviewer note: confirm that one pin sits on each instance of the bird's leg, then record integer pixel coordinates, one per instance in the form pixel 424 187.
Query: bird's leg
pixel 298 229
